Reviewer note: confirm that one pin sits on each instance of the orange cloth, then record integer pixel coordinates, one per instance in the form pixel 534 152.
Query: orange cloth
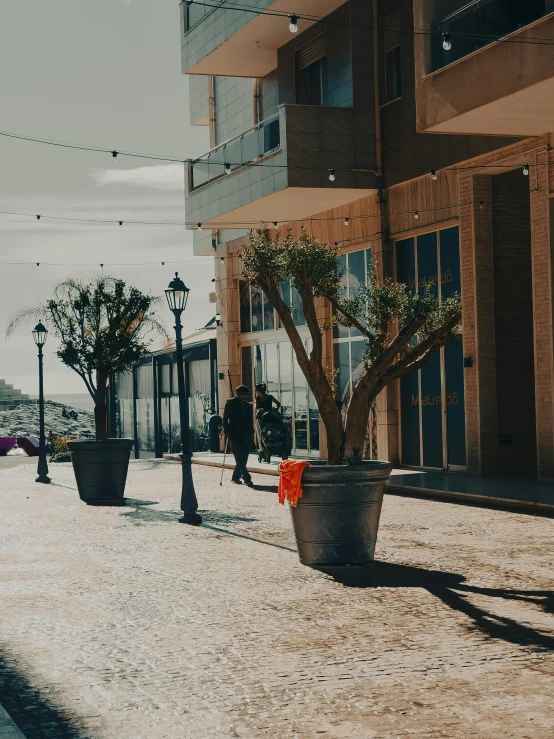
pixel 290 487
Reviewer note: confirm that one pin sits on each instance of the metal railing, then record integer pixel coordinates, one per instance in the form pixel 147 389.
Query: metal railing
pixel 242 150
pixel 480 23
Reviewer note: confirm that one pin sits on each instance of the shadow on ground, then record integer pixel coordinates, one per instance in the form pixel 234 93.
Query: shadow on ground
pixel 453 591
pixel 31 712
pixel 142 513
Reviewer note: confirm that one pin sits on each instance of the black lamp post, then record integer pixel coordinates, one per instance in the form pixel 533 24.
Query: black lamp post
pixel 177 294
pixel 39 335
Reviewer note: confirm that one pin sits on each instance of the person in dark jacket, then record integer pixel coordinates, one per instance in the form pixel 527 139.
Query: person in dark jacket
pixel 238 426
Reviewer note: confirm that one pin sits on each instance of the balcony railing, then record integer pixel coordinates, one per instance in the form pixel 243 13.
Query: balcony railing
pixel 238 152
pixel 480 23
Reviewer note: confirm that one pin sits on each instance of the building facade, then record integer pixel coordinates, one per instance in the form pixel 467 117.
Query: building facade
pixel 144 403
pixel 419 139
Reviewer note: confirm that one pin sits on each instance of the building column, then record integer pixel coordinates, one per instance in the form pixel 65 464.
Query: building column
pixel 388 431
pixel 228 350
pixel 542 249
pixel 477 268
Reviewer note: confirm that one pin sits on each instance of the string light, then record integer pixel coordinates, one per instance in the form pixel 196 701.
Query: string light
pixel 416 214
pixel 293 25
pixel 332 175
pixel 433 174
pixel 114 153
pixel 221 259
pixel 526 169
pixel 199 227
pixel 275 224
pixel 446 41
pixel 38 218
pixel 409 32
pixel 346 221
pixel 481 204
pixel 227 168
pixel 120 223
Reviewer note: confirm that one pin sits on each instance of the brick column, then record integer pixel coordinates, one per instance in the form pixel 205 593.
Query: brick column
pixel 228 350
pixel 477 267
pixel 542 245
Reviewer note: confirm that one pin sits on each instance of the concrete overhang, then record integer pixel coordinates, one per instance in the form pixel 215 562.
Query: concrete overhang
pixel 251 51
pixel 505 89
pixel 284 206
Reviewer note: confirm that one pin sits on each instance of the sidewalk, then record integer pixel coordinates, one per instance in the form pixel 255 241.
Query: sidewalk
pixel 120 623
pixel 499 492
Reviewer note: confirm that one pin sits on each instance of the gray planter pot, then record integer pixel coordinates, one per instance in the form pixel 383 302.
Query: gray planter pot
pixel 100 469
pixel 337 518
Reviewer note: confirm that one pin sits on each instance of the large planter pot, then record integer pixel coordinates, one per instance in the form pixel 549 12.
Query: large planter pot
pixel 337 517
pixel 101 469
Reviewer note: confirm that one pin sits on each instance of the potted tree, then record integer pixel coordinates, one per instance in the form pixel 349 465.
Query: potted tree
pixel 337 518
pixel 103 327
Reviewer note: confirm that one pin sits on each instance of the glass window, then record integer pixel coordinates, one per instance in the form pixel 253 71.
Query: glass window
pixel 285 372
pixel 244 298
pixel 257 309
pixel 297 308
pixel 393 77
pixel 313 84
pixel 256 312
pixel 125 406
pixel 146 447
pixel 342 364
pixel 247 368
pixel 272 369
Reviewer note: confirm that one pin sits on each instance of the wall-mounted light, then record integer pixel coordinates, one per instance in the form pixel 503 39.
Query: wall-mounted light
pixel 218 319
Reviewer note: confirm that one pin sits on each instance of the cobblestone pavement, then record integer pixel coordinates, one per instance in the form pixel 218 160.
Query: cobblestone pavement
pixel 120 623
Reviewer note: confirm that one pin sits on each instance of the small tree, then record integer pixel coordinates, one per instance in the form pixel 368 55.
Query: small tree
pixel 103 326
pixel 402 329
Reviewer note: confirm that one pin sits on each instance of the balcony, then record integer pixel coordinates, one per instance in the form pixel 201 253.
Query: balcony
pixel 279 169
pixel 496 74
pixel 241 43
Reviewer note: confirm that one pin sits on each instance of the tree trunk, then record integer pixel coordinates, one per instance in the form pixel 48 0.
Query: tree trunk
pixel 100 408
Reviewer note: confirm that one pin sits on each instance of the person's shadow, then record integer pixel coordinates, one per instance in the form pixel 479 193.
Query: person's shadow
pixel 452 590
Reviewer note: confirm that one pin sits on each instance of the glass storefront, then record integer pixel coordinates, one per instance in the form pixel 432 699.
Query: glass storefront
pixel 349 344
pixel 274 364
pixel 146 401
pixel 432 425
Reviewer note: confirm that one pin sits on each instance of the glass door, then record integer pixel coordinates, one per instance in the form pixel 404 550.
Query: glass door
pixel 432 412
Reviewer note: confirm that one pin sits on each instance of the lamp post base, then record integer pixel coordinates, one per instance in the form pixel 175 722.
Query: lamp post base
pixel 191 518
pixel 43 478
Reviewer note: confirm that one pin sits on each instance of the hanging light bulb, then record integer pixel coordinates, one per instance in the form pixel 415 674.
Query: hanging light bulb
pixel 446 41
pixel 332 175
pixel 481 204
pixel 346 221
pixel 526 169
pixel 199 227
pixel 416 214
pixel 433 174
pixel 227 168
pixel 275 224
pixel 293 25
pixel 222 259
pixel 114 153
pixel 38 218
pixel 120 223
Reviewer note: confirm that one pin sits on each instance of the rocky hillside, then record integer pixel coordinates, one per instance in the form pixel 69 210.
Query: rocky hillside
pixel 23 421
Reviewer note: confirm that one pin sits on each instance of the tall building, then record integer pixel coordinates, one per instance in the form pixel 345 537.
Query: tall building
pixel 418 135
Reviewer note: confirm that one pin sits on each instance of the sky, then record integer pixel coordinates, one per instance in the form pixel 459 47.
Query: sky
pixel 103 73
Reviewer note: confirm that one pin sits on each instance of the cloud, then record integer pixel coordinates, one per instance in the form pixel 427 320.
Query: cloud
pixel 159 177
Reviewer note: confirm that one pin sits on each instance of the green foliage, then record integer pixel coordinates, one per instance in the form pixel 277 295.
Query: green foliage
pixel 103 325
pixel 310 265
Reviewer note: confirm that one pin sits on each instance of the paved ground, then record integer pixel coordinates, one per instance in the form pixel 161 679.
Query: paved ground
pixel 123 624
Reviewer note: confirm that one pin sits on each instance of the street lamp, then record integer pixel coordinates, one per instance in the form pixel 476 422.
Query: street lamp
pixel 39 335
pixel 177 294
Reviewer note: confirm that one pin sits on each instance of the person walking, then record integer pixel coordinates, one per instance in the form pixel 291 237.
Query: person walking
pixel 238 427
